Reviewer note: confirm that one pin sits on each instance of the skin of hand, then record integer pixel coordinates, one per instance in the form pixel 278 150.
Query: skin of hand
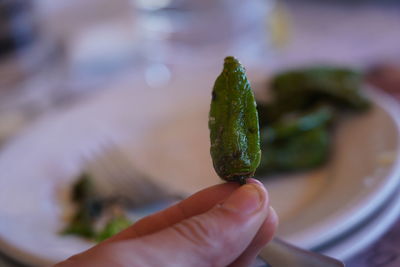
pixel 223 225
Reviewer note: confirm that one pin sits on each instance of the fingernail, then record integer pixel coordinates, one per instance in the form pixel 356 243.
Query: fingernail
pixel 247 199
pixel 253 181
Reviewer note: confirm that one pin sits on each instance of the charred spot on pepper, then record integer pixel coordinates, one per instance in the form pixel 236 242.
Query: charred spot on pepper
pixel 213 96
pixel 237 154
pixel 240 178
pixel 252 130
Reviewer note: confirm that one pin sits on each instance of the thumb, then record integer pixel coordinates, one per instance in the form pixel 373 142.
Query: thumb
pixel 214 238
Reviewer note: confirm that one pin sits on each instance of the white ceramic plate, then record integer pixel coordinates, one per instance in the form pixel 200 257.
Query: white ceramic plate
pixel 164 131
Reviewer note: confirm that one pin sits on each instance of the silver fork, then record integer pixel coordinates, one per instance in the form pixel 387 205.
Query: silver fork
pixel 117 177
pixel 279 253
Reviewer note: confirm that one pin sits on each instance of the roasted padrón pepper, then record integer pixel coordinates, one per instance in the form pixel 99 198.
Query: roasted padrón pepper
pixel 233 124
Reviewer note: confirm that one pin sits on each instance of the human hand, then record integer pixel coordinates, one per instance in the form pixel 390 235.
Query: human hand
pixel 223 225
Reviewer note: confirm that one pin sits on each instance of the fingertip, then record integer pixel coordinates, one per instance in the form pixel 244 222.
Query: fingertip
pixel 248 200
pixel 259 184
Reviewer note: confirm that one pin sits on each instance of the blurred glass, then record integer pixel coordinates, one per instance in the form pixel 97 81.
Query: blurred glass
pixel 17 26
pixel 158 37
pixel 28 65
pixel 24 48
pixel 183 32
pixel 18 31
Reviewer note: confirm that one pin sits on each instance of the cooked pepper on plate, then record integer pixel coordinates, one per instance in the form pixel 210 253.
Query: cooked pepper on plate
pixel 296 124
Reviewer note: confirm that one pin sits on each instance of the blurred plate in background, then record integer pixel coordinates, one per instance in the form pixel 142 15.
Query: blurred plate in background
pixel 164 131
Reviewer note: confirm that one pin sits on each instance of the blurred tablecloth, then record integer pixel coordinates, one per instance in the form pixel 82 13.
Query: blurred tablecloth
pixel 384 253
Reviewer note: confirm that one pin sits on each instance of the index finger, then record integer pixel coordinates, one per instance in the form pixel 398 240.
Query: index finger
pixel 198 203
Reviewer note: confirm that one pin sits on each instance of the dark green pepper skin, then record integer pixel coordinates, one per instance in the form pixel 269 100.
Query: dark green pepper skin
pixel 301 88
pixel 89 208
pixel 296 124
pixel 233 124
pixel 297 142
pixel 114 226
pixel 304 151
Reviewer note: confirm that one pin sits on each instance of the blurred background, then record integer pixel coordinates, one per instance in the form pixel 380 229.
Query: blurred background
pixel 55 51
pixel 56 54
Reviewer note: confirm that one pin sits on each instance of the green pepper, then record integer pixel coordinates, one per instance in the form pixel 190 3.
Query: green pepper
pixel 300 89
pixel 83 190
pixel 294 124
pixel 114 226
pixel 304 151
pixel 81 224
pixel 233 124
pixel 296 142
pixel 88 208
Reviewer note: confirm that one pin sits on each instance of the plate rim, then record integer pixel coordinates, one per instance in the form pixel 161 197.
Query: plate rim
pixel 381 221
